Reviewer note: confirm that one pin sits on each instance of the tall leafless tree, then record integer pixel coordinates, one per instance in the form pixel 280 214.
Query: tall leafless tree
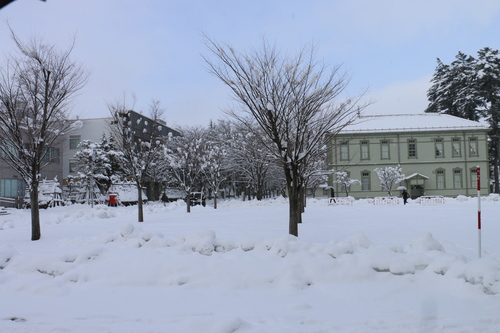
pixel 36 86
pixel 186 158
pixel 294 99
pixel 251 160
pixel 140 145
pixel 217 145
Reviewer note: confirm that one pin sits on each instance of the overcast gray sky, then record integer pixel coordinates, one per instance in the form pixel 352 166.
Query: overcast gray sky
pixel 152 48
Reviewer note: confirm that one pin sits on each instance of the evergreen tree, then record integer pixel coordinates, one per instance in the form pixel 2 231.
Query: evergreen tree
pixel 470 88
pixel 113 156
pixel 92 167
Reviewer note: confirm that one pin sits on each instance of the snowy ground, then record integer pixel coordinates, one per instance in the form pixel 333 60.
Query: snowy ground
pixel 360 268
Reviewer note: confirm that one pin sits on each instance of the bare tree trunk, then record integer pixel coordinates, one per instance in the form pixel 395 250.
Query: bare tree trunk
pixel 496 165
pixel 294 211
pixel 35 213
pixel 188 203
pixel 140 211
pixel 215 200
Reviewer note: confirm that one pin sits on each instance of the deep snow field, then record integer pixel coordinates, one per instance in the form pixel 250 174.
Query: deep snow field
pixel 359 268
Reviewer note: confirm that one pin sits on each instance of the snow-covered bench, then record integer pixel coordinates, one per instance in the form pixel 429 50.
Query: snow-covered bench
pixel 383 201
pixel 3 211
pixel 349 201
pixel 431 200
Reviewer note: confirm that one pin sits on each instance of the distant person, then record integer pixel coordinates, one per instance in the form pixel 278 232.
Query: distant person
pixel 332 195
pixel 405 197
pixel 164 198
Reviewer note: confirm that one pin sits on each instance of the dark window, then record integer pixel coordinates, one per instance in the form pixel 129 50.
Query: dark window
pixel 439 148
pixel 74 141
pixel 412 148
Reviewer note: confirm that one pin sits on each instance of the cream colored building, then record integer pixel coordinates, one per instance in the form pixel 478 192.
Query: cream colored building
pixel 91 129
pixel 439 154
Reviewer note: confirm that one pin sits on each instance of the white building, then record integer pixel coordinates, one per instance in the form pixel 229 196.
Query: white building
pixel 91 129
pixel 439 154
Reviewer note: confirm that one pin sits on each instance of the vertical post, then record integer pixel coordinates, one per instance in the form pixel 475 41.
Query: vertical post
pixel 479 209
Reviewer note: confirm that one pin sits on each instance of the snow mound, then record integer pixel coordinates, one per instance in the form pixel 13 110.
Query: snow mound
pixel 424 244
pixel 484 272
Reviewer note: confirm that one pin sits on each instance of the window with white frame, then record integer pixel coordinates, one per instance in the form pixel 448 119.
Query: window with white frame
pixel 438 147
pixel 52 155
pixel 344 150
pixel 9 187
pixel 440 179
pixel 365 181
pixel 384 150
pixel 73 167
pixel 473 147
pixel 74 141
pixel 473 178
pixel 365 150
pixel 457 178
pixel 455 147
pixel 9 149
pixel 412 148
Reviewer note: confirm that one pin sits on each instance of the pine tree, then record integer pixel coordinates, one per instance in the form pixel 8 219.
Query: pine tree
pixel 470 88
pixel 93 167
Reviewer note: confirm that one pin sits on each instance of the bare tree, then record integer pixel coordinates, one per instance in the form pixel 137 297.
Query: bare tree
pixel 140 140
pixel 217 155
pixel 36 86
pixel 293 100
pixel 317 174
pixel 345 181
pixel 252 160
pixel 389 177
pixel 186 157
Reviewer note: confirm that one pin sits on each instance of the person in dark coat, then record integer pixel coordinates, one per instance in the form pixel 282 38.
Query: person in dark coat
pixel 405 197
pixel 332 195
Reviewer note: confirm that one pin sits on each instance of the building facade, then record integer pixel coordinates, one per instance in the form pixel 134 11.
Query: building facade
pixel 95 128
pixel 13 187
pixel 439 154
pixel 91 129
pixel 60 159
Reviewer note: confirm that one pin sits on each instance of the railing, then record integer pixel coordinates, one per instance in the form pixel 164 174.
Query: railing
pixel 385 201
pixel 431 200
pixel 341 201
pixel 8 200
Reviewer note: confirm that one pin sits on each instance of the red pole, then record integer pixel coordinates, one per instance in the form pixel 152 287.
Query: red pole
pixel 479 208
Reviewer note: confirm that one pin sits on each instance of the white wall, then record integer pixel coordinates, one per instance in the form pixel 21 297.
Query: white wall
pixel 92 129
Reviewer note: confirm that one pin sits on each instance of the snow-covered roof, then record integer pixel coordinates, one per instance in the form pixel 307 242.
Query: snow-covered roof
pixel 411 123
pixel 416 175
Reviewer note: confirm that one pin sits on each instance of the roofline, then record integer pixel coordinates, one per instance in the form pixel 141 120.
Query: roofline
pixel 475 126
pixel 416 129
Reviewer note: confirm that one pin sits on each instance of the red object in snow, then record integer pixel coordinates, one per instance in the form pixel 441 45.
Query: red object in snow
pixel 112 200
